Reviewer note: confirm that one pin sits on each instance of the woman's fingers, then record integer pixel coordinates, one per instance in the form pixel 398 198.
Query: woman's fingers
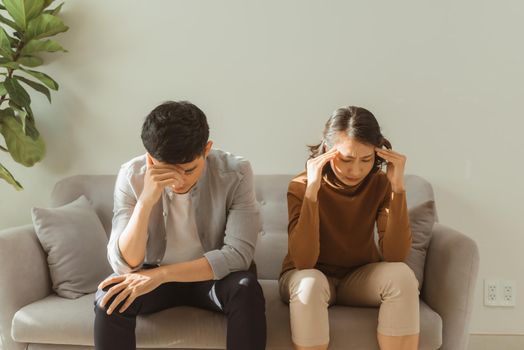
pixel 323 158
pixel 389 156
pixel 389 152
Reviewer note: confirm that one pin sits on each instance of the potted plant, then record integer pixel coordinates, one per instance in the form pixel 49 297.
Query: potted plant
pixel 25 26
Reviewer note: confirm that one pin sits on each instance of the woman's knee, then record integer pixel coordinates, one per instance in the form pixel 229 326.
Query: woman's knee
pixel 403 278
pixel 309 285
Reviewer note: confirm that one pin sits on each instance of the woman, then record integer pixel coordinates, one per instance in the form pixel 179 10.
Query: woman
pixel 332 256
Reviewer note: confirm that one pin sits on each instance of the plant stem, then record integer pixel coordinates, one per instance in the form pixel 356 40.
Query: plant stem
pixel 10 71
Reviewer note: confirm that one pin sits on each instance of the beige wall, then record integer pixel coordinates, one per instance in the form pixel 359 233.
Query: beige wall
pixel 445 79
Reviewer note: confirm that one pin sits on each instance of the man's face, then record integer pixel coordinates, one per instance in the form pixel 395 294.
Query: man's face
pixel 189 172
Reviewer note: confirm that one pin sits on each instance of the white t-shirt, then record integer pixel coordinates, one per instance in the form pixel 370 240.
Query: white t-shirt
pixel 183 243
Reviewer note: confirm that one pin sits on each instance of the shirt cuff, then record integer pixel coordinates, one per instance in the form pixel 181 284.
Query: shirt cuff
pixel 218 264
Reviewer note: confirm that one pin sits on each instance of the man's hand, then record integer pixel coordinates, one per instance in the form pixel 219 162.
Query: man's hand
pixel 156 178
pixel 131 285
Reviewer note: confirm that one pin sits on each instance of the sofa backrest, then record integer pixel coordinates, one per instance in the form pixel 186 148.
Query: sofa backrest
pixel 271 194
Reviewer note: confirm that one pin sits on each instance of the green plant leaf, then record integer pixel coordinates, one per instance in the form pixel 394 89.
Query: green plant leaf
pixel 20 114
pixel 4 62
pixel 2 7
pixel 23 11
pixel 22 147
pixel 7 176
pixel 28 121
pixel 47 3
pixel 44 78
pixel 9 23
pixel 30 61
pixel 41 46
pixel 5 45
pixel 16 92
pixel 37 86
pixel 56 10
pixel 3 91
pixel 44 26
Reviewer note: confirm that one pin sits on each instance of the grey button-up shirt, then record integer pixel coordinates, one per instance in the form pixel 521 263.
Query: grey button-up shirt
pixel 226 214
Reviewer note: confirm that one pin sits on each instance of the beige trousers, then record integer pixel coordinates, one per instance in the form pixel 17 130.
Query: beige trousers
pixel 390 285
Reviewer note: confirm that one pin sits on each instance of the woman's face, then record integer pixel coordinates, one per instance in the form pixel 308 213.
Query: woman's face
pixel 354 160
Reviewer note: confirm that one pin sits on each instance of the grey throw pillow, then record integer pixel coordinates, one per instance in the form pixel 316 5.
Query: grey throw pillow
pixel 421 219
pixel 75 243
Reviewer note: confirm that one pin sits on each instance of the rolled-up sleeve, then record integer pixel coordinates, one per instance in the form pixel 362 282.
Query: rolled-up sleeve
pixel 124 204
pixel 242 227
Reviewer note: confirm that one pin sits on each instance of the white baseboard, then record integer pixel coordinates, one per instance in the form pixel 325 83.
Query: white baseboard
pixel 496 342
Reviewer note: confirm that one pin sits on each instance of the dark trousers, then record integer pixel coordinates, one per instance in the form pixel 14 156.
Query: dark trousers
pixel 238 296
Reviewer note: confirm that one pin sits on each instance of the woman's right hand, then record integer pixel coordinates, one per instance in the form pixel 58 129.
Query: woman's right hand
pixel 314 172
pixel 157 177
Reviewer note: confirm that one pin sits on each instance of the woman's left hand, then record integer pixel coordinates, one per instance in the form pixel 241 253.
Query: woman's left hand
pixel 395 168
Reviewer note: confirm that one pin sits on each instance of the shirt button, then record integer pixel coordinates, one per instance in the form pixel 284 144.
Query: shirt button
pixel 164 213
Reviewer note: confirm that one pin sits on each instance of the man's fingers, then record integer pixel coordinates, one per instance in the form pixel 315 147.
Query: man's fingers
pixel 128 302
pixel 112 291
pixel 170 182
pixel 111 280
pixel 165 170
pixel 165 176
pixel 118 300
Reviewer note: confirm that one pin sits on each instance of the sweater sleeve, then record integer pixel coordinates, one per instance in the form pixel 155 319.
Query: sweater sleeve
pixel 393 227
pixel 303 228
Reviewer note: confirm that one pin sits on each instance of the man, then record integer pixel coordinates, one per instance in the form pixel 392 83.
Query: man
pixel 184 230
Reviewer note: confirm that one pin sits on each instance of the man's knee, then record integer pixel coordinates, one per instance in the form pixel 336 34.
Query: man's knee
pixel 244 289
pixel 102 310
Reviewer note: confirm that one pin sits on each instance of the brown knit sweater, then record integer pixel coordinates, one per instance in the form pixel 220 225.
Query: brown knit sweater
pixel 335 233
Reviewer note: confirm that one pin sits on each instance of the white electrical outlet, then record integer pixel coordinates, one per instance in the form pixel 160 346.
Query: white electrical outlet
pixel 508 293
pixel 500 293
pixel 491 292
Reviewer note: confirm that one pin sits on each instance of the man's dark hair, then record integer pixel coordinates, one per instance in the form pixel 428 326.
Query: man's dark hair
pixel 175 132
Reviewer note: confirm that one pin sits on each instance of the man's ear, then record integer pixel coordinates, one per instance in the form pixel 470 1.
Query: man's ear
pixel 208 148
pixel 149 160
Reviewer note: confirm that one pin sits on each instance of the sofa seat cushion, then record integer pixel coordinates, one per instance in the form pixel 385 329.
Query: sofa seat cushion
pixel 56 320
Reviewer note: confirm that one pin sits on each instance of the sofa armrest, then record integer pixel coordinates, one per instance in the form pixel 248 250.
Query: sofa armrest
pixel 450 277
pixel 24 277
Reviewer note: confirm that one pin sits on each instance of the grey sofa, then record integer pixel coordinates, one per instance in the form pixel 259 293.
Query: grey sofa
pixel 33 317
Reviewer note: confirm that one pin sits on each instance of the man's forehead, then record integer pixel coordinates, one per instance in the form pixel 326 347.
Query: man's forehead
pixel 181 166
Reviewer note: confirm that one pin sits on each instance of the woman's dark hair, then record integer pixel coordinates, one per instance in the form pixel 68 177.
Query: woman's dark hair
pixel 175 132
pixel 355 122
